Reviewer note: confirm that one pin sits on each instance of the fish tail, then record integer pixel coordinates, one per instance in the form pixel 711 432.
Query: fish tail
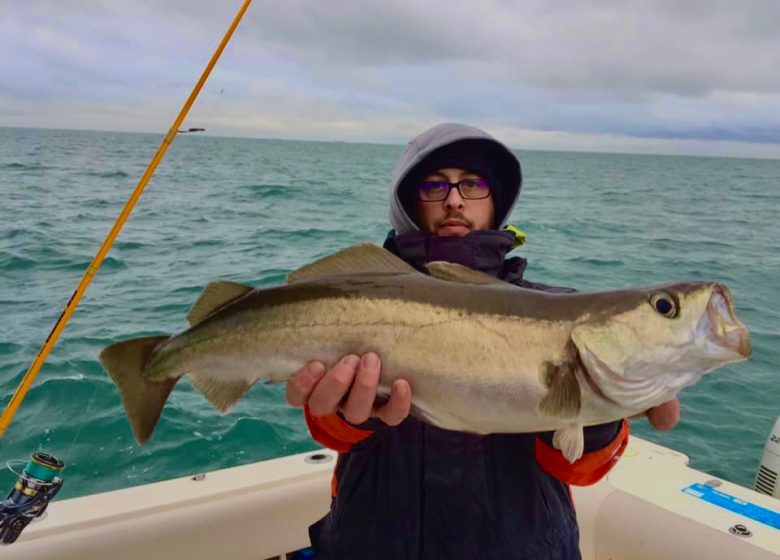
pixel 143 400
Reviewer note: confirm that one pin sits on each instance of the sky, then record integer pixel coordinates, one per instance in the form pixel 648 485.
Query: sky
pixel 695 77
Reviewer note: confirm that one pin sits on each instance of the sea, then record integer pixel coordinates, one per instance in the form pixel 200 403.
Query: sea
pixel 252 210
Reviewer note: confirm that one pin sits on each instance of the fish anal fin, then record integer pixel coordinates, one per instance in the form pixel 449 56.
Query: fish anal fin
pixel 563 398
pixel 217 294
pixel 358 259
pixel 570 441
pixel 221 393
pixel 458 273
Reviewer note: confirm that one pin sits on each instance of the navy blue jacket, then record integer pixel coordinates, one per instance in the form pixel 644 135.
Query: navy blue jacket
pixel 419 492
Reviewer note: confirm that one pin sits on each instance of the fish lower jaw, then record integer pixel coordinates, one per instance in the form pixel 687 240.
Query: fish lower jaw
pixel 730 347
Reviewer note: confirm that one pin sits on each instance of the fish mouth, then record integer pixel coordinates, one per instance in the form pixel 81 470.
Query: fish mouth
pixel 722 326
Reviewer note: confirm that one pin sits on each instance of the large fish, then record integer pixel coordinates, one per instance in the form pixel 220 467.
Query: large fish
pixel 481 355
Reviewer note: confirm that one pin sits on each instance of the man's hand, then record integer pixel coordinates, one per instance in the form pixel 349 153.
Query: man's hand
pixel 665 416
pixel 349 386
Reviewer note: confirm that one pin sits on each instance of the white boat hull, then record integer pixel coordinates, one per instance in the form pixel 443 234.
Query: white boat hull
pixel 263 510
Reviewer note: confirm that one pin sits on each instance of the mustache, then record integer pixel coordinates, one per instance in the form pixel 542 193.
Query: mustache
pixel 455 216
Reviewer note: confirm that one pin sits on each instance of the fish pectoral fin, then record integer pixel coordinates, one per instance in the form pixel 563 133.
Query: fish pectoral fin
pixel 564 398
pixel 570 441
pixel 220 392
pixel 454 272
pixel 217 294
pixel 358 259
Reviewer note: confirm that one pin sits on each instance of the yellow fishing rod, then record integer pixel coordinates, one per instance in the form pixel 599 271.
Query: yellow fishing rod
pixel 21 391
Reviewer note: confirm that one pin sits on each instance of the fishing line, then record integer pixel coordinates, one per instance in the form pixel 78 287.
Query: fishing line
pixel 207 123
pixel 84 416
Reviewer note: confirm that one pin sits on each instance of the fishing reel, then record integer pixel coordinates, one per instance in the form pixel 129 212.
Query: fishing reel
pixel 35 487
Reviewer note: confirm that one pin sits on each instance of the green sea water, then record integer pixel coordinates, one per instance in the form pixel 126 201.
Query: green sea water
pixel 253 210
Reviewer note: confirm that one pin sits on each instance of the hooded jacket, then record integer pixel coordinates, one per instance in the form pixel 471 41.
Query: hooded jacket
pixel 416 491
pixel 430 144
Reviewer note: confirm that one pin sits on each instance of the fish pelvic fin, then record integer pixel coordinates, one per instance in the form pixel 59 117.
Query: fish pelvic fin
pixel 564 398
pixel 570 441
pixel 221 393
pixel 458 273
pixel 364 258
pixel 143 400
pixel 215 296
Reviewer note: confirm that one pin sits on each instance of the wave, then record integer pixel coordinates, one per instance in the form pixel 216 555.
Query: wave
pixel 206 242
pixel 25 166
pixel 14 262
pixel 107 174
pixel 9 348
pixel 129 245
pixel 188 290
pixel 270 190
pixel 305 233
pixel 598 261
pixel 168 309
pixel 15 232
pixel 109 263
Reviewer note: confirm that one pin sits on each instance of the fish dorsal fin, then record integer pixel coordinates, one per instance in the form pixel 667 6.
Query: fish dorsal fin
pixel 217 294
pixel 358 259
pixel 458 273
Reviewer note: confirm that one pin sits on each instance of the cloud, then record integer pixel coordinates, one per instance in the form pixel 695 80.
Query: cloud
pixel 635 47
pixel 694 70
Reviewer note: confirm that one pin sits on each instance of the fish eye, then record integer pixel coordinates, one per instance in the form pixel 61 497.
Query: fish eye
pixel 665 305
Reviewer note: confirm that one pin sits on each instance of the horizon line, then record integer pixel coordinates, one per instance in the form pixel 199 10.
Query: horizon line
pixel 401 144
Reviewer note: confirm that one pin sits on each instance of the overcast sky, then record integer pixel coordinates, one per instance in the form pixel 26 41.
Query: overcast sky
pixel 657 76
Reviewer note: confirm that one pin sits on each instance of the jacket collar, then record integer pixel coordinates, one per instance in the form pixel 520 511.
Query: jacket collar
pixel 483 250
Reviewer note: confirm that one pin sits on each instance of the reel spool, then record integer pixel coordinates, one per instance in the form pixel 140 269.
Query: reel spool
pixel 35 487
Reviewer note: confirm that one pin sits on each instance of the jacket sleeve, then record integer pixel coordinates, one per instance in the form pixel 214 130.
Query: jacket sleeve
pixel 604 444
pixel 334 432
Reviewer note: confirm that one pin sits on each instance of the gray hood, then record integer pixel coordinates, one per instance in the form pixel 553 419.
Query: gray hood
pixel 419 148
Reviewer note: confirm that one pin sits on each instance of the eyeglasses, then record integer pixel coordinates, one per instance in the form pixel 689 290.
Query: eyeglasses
pixel 470 189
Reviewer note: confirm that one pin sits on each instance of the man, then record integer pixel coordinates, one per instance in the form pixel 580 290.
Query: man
pixel 403 489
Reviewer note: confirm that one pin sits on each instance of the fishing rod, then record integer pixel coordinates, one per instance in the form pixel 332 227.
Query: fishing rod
pixel 51 340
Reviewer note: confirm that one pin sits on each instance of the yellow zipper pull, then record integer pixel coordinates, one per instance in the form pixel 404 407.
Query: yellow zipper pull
pixel 520 235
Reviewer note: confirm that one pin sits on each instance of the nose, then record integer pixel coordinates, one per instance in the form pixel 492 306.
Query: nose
pixel 454 200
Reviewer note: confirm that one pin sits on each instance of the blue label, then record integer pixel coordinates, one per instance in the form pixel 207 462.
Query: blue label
pixel 732 503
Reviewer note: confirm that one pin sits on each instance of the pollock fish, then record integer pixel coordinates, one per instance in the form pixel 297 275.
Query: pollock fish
pixel 481 355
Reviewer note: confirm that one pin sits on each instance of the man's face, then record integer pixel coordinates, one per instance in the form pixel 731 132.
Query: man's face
pixel 455 216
